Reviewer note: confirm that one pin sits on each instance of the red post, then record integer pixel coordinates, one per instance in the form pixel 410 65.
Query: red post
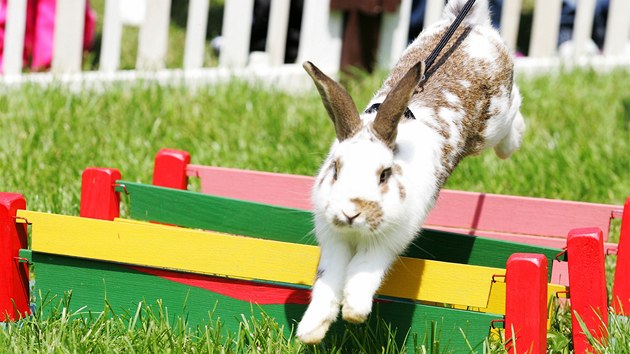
pixel 14 278
pixel 170 169
pixel 99 200
pixel 621 287
pixel 587 282
pixel 526 303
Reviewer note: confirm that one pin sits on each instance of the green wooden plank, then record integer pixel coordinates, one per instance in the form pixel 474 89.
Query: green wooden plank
pixel 197 210
pixel 201 211
pixel 92 281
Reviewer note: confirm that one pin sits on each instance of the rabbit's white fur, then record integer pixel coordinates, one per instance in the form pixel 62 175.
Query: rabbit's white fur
pixel 364 221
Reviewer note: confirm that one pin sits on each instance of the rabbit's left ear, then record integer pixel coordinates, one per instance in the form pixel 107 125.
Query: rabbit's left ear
pixel 337 101
pixel 393 107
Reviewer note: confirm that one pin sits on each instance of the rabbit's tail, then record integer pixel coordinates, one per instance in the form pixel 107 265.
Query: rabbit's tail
pixel 512 140
pixel 479 14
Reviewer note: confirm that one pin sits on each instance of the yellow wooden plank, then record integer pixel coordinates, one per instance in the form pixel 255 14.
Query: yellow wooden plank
pixel 242 257
pixel 496 301
pixel 404 277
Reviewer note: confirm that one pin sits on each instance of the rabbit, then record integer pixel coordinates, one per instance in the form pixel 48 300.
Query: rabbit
pixel 386 166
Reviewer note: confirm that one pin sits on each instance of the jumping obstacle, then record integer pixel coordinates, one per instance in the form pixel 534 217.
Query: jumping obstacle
pixel 131 261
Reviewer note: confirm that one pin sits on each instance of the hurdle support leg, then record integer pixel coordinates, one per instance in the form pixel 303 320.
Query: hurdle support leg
pixel 621 287
pixel 99 199
pixel 587 281
pixel 526 303
pixel 14 277
pixel 169 169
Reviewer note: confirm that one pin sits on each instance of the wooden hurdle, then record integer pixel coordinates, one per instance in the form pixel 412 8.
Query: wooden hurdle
pixel 478 280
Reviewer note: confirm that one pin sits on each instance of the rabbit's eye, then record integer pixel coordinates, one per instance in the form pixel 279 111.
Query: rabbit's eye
pixel 385 174
pixel 335 170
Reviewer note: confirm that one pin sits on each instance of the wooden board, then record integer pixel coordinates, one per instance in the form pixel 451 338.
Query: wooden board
pixel 92 281
pixel 499 214
pixel 243 257
pixel 208 212
pixel 497 301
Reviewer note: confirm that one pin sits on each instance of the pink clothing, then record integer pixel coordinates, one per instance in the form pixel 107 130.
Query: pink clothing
pixel 38 37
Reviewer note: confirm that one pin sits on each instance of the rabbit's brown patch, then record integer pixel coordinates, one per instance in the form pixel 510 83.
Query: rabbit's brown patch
pixel 384 188
pixel 336 168
pixel 402 192
pixel 372 211
pixel 397 170
pixel 448 165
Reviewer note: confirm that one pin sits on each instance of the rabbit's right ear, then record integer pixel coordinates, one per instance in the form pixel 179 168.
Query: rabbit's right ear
pixel 337 101
pixel 393 107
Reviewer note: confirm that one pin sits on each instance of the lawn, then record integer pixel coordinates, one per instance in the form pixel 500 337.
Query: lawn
pixel 576 147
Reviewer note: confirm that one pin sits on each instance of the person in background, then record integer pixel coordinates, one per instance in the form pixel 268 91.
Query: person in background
pixel 39 32
pixel 567 19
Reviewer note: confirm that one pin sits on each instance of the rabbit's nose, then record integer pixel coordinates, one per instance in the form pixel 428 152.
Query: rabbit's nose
pixel 351 218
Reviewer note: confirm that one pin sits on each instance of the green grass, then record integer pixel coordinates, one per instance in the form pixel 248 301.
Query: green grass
pixel 576 147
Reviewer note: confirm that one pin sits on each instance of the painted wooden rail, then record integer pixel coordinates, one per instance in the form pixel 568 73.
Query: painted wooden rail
pixel 320 38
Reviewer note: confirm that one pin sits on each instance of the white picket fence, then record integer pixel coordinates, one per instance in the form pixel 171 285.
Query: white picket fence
pixel 320 40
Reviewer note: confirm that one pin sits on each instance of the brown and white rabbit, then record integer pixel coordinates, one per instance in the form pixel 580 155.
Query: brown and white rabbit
pixel 387 165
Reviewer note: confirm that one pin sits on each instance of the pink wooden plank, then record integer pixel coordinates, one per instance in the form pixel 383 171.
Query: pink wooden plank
pixel 519 215
pixel 526 303
pixel 263 187
pixel 485 214
pixel 560 273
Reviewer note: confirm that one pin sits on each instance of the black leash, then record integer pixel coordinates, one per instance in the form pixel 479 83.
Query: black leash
pixel 447 36
pixel 436 51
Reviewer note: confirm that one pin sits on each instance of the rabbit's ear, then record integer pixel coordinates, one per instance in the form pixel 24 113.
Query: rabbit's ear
pixel 337 101
pixel 392 109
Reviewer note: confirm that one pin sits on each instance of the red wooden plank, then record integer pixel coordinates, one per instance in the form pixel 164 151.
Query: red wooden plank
pixel 526 303
pixel 169 169
pixel 587 276
pixel 621 288
pixel 14 277
pixel 483 213
pixel 258 293
pixel 99 200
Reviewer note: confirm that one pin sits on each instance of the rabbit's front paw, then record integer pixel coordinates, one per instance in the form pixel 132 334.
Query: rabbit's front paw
pixel 312 329
pixel 356 308
pixel 316 321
